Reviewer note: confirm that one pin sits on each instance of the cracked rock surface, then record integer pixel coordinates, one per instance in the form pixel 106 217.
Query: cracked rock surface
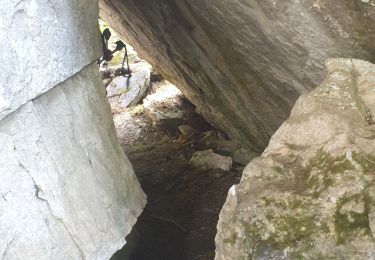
pixel 311 194
pixel 67 190
pixel 40 38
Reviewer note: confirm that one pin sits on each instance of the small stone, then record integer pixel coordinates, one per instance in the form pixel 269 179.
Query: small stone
pixel 209 160
pixel 187 131
pixel 129 91
pixel 164 103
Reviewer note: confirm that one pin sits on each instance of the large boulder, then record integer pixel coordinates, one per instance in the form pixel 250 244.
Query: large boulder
pixel 67 191
pixel 311 194
pixel 244 63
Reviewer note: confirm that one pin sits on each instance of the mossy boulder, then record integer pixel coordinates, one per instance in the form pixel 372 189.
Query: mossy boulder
pixel 311 195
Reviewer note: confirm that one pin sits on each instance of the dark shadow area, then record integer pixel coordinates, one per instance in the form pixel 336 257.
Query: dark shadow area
pixel 184 202
pixel 160 132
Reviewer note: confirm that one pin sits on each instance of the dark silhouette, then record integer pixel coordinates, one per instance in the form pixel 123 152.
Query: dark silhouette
pixel 108 54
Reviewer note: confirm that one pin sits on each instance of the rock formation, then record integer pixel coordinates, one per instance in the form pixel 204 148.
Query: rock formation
pixel 243 63
pixel 67 190
pixel 311 194
pixel 129 91
pixel 208 159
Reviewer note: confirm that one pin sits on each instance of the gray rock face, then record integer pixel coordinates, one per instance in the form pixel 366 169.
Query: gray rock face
pixel 44 42
pixel 312 192
pixel 67 190
pixel 243 63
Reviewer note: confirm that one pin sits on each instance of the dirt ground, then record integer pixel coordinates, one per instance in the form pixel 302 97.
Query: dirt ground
pixel 179 221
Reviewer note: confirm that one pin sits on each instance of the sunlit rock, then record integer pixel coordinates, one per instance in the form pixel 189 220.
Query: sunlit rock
pixel 40 38
pixel 67 191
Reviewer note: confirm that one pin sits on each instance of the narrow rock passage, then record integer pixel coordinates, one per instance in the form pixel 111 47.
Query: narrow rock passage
pixel 179 221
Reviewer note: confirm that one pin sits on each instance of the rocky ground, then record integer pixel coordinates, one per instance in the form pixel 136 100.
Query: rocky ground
pixel 184 201
pixel 184 165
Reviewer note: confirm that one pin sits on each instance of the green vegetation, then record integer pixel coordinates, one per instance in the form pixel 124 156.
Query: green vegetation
pixel 232 239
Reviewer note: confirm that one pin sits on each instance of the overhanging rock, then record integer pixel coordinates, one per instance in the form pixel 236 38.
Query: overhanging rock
pixel 244 63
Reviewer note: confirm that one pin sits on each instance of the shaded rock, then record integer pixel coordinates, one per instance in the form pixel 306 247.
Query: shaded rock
pixel 244 63
pixel 243 156
pixel 210 160
pixel 164 104
pixel 312 192
pixel 107 72
pixel 187 131
pixel 208 136
pixel 129 91
pixel 224 147
pixel 156 76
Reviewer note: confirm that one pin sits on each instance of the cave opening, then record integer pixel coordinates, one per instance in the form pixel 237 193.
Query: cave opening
pixel 68 191
pixel 183 163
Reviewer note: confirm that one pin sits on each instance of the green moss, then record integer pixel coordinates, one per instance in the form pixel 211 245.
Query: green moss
pixel 320 173
pixel 232 239
pixel 293 220
pixel 275 202
pixel 367 162
pixel 277 169
pixel 267 200
pixel 290 230
pixel 295 228
pixel 347 224
pixel 253 235
pixel 297 203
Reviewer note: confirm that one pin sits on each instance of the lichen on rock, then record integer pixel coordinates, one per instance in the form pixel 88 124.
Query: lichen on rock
pixel 312 192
